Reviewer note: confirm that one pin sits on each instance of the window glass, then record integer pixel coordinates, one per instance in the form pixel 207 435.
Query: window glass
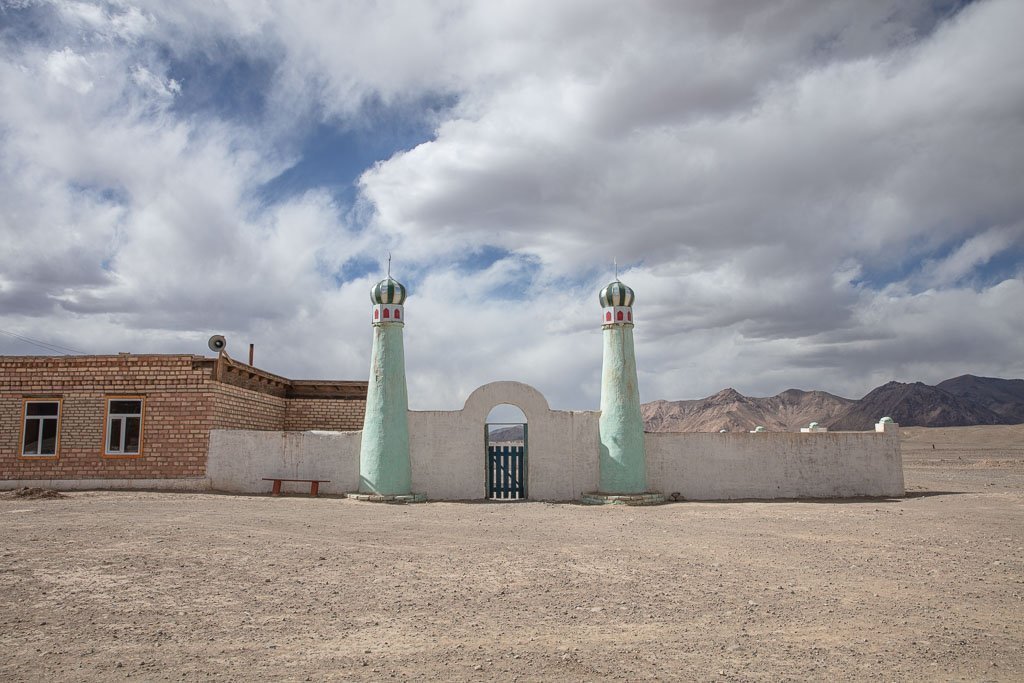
pixel 49 441
pixel 131 434
pixel 31 437
pixel 114 439
pixel 120 407
pixel 38 409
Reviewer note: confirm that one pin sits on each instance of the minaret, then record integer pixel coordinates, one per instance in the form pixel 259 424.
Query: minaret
pixel 623 464
pixel 384 468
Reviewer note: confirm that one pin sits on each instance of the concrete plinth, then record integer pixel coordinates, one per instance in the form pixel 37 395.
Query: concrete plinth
pixel 394 499
pixel 598 498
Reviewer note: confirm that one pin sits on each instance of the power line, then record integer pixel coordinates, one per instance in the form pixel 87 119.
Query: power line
pixel 53 348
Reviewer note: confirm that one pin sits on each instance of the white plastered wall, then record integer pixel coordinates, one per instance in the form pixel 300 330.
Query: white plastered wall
pixel 775 465
pixel 447 449
pixel 238 460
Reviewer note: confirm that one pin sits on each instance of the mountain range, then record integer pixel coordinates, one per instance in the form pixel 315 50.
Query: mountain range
pixel 960 401
pixel 957 402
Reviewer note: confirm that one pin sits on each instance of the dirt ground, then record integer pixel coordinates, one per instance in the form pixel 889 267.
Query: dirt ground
pixel 170 586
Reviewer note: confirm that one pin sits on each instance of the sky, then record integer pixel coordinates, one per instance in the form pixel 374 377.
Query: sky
pixel 804 193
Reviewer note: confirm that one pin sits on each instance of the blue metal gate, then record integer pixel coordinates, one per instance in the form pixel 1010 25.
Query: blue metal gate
pixel 506 472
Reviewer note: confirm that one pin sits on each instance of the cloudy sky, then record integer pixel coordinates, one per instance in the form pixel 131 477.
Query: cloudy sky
pixel 802 193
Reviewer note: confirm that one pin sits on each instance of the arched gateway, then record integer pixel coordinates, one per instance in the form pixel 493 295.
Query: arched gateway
pixel 449 456
pixel 506 437
pixel 506 458
pixel 522 396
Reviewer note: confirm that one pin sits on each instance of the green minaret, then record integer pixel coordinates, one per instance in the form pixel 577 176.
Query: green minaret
pixel 384 467
pixel 623 463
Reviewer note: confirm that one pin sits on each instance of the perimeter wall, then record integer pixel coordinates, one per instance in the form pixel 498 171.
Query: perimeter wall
pixel 447 452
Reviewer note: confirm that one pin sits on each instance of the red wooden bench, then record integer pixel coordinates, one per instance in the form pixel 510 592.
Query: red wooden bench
pixel 314 484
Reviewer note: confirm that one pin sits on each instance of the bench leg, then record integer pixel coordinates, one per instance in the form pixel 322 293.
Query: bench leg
pixel 276 491
pixel 314 488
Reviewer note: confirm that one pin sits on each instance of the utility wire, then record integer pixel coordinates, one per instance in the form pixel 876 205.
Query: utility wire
pixel 53 348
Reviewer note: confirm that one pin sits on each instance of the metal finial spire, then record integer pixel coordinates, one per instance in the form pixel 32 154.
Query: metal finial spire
pixel 615 264
pixel 389 264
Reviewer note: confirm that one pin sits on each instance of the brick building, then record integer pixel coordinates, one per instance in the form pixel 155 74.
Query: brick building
pixel 148 417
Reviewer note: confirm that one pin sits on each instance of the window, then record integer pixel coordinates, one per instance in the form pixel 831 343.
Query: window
pixel 124 426
pixel 41 433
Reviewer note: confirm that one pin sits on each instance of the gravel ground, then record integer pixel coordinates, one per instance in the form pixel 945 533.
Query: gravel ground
pixel 166 586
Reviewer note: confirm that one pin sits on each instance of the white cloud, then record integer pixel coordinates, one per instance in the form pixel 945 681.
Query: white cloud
pixel 87 14
pixel 69 69
pixel 806 193
pixel 975 251
pixel 164 88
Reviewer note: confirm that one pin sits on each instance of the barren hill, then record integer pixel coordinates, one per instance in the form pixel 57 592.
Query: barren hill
pixel 914 404
pixel 960 401
pixel 506 434
pixel 1005 397
pixel 732 411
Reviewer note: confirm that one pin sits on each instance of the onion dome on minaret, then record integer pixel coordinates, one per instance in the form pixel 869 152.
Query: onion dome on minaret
pixel 388 297
pixel 617 304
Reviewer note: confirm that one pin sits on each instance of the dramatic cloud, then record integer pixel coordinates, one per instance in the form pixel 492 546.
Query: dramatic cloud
pixel 813 194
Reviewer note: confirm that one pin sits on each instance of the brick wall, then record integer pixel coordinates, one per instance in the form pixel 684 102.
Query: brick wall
pixel 328 414
pixel 238 408
pixel 176 415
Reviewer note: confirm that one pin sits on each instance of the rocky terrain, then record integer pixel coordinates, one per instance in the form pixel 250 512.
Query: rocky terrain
pixel 1004 397
pixel 732 411
pixel 914 404
pixel 961 401
pixel 509 434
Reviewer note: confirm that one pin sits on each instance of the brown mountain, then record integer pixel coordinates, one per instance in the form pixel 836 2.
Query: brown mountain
pixel 914 405
pixel 960 401
pixel 1004 397
pixel 506 434
pixel 732 411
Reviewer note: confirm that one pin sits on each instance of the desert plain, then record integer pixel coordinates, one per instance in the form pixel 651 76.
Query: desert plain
pixel 111 585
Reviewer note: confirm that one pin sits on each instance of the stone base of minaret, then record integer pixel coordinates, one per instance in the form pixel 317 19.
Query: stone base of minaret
pixel 400 499
pixel 598 498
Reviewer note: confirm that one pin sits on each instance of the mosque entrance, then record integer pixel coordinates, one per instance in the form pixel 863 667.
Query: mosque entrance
pixel 506 434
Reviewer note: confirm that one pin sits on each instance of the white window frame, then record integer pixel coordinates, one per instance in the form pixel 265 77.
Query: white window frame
pixel 40 419
pixel 123 419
